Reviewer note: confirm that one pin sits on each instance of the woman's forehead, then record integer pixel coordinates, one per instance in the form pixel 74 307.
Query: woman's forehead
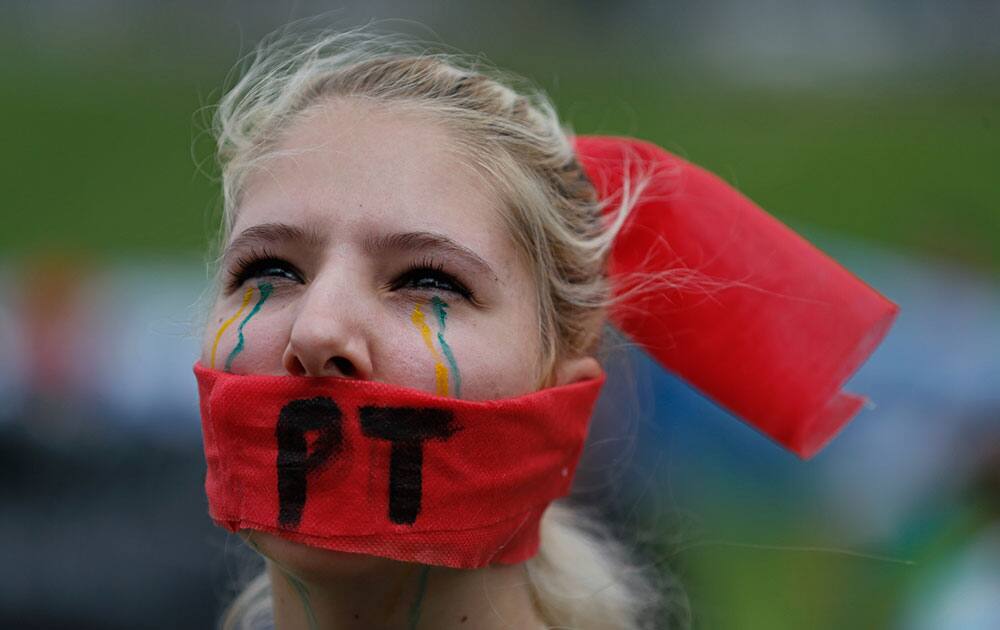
pixel 346 169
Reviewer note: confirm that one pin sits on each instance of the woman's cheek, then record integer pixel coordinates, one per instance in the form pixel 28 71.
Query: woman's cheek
pixel 404 367
pixel 459 353
pixel 248 335
pixel 495 362
pixel 264 347
pixel 409 354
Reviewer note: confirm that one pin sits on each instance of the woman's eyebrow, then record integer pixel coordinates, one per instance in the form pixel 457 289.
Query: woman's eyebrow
pixel 416 241
pixel 270 233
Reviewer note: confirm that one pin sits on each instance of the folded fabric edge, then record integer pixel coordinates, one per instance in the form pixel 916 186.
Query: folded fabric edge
pixel 841 407
pixel 493 543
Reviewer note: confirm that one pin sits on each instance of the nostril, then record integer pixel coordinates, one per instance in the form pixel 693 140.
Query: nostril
pixel 295 367
pixel 341 365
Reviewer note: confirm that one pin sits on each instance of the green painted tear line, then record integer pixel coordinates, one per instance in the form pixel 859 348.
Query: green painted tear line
pixel 303 592
pixel 440 307
pixel 419 600
pixel 265 292
pixel 296 583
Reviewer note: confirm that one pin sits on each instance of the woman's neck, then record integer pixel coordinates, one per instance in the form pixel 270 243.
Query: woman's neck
pixel 407 597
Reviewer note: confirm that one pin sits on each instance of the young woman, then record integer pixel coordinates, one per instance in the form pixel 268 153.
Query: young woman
pixel 367 193
pixel 403 350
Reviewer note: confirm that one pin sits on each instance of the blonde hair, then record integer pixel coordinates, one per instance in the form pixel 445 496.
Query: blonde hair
pixel 581 578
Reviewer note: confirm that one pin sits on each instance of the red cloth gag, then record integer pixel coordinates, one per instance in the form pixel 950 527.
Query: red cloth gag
pixel 732 300
pixel 372 468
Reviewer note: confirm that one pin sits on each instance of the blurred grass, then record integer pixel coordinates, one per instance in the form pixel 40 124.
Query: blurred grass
pixel 102 162
pixel 769 588
pixel 913 166
pixel 764 570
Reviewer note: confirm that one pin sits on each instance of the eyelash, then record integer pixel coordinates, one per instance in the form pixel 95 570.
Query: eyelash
pixel 256 262
pixel 428 268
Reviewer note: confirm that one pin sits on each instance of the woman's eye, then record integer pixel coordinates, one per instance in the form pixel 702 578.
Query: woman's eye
pixel 431 282
pixel 431 279
pixel 263 268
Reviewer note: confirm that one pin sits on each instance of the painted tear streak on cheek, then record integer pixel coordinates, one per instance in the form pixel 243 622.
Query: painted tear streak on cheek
pixel 265 292
pixel 227 323
pixel 440 371
pixel 441 310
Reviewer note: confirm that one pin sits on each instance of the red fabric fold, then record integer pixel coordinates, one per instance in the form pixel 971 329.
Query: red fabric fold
pixel 730 299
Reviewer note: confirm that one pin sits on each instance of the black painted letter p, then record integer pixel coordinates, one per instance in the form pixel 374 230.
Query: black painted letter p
pixel 296 419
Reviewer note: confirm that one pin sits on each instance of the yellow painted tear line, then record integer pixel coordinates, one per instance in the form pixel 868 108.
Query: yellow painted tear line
pixel 226 324
pixel 440 371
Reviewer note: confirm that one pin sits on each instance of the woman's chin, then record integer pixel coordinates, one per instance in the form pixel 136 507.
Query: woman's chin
pixel 312 563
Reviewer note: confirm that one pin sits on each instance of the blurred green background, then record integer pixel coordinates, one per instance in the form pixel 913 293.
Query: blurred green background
pixel 876 123
pixel 104 130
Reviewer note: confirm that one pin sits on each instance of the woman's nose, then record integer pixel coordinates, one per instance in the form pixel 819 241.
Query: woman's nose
pixel 327 339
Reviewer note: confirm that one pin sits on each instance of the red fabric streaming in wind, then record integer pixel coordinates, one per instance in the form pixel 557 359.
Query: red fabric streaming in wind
pixel 733 301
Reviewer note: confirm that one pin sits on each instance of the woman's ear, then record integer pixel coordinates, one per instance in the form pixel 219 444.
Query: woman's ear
pixel 576 369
